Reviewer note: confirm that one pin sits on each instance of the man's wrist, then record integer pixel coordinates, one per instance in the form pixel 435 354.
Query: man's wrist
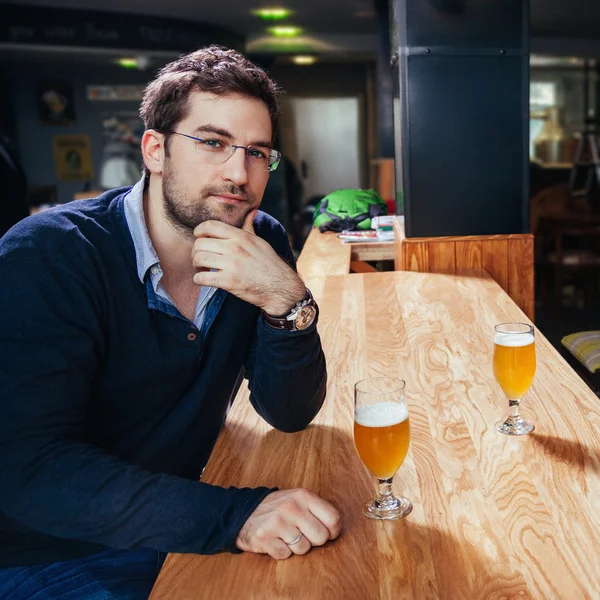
pixel 279 307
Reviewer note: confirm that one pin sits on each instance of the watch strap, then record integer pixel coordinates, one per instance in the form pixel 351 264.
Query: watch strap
pixel 287 322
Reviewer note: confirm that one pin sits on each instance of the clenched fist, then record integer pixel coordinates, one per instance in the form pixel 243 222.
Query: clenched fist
pixel 289 522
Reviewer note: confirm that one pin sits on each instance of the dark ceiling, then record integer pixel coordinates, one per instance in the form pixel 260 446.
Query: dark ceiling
pixel 316 16
pixel 340 29
pixel 565 18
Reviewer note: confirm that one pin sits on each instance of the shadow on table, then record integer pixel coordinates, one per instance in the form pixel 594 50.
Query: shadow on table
pixel 444 567
pixel 315 457
pixel 427 561
pixel 569 451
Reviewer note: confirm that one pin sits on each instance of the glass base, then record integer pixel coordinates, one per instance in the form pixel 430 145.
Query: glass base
pixel 515 426
pixel 393 508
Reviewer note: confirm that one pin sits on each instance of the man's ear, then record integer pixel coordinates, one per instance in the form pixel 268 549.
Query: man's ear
pixel 153 151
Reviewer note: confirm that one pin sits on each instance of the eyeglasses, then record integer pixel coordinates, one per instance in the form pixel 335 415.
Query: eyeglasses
pixel 215 152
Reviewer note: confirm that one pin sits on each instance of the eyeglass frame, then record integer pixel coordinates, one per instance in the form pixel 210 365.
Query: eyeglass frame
pixel 270 168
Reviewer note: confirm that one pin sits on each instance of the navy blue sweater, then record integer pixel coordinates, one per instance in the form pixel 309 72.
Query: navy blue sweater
pixel 109 411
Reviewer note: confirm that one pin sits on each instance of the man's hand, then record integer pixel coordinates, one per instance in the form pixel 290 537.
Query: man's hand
pixel 245 265
pixel 280 519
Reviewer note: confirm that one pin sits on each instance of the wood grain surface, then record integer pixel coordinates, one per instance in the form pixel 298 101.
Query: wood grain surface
pixel 507 258
pixel 416 257
pixel 442 257
pixel 325 254
pixel 495 261
pixel 520 274
pixel 468 254
pixel 399 237
pixel 372 251
pixel 494 517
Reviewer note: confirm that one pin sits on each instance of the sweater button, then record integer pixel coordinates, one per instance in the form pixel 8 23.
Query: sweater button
pixel 192 337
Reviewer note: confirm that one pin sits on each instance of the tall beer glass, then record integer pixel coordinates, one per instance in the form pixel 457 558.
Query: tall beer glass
pixel 514 368
pixel 382 437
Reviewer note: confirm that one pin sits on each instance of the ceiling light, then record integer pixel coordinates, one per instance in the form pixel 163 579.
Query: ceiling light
pixel 141 62
pixel 302 44
pixel 127 62
pixel 285 31
pixel 304 59
pixel 275 13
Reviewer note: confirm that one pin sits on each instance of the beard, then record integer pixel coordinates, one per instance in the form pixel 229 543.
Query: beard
pixel 185 213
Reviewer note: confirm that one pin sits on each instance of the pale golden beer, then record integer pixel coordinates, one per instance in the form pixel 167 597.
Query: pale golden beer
pixel 514 363
pixel 514 369
pixel 382 437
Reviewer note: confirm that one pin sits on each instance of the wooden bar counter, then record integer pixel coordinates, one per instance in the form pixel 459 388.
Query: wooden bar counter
pixel 326 254
pixel 508 259
pixel 494 517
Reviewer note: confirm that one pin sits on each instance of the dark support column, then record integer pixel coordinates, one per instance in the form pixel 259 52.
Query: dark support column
pixel 385 115
pixel 462 79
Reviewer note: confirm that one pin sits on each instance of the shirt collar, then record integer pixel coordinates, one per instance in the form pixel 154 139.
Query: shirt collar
pixel 145 254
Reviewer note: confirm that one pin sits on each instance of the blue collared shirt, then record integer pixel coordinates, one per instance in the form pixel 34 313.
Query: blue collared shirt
pixel 148 263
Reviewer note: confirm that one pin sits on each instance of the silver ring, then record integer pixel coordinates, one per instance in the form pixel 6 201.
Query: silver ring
pixel 295 540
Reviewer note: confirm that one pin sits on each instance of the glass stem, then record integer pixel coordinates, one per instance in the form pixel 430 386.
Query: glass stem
pixel 385 497
pixel 513 410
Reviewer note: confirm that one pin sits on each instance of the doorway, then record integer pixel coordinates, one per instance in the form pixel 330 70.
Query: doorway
pixel 327 132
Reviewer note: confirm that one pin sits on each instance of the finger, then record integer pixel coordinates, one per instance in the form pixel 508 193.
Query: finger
pixel 210 260
pixel 208 279
pixel 216 229
pixel 249 222
pixel 209 245
pixel 327 514
pixel 278 549
pixel 315 532
pixel 302 546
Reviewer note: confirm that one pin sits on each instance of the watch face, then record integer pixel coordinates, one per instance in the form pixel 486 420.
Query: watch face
pixel 305 317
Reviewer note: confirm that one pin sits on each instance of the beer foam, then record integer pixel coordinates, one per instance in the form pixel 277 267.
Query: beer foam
pixel 513 340
pixel 381 414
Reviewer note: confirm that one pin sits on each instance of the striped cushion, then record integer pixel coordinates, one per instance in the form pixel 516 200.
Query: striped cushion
pixel 585 347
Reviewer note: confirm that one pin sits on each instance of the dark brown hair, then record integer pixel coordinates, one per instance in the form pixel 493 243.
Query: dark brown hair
pixel 212 69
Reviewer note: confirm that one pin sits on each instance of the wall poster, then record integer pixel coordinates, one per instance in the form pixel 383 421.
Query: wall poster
pixel 73 157
pixel 55 104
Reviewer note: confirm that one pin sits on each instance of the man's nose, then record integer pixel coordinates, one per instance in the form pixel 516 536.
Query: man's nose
pixel 235 168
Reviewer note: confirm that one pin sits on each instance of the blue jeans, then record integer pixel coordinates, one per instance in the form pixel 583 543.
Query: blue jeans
pixel 107 575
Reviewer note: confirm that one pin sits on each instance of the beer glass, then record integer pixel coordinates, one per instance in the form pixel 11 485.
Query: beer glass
pixel 382 437
pixel 514 368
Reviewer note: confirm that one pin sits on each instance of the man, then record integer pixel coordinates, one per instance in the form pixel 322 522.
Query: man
pixel 127 324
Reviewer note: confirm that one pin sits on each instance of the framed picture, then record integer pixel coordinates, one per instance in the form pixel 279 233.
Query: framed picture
pixel 55 103
pixel 73 157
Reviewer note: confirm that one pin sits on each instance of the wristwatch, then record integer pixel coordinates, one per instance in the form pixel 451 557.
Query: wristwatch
pixel 301 316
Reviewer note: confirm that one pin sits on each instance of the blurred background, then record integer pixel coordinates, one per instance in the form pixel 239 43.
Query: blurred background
pixel 72 73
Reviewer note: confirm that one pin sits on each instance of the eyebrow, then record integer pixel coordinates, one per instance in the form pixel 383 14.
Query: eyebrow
pixel 224 133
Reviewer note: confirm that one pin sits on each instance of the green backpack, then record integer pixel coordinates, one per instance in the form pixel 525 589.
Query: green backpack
pixel 348 210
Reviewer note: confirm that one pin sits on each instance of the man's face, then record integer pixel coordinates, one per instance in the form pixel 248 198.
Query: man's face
pixel 194 190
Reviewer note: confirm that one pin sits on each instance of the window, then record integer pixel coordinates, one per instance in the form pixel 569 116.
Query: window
pixel 542 94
